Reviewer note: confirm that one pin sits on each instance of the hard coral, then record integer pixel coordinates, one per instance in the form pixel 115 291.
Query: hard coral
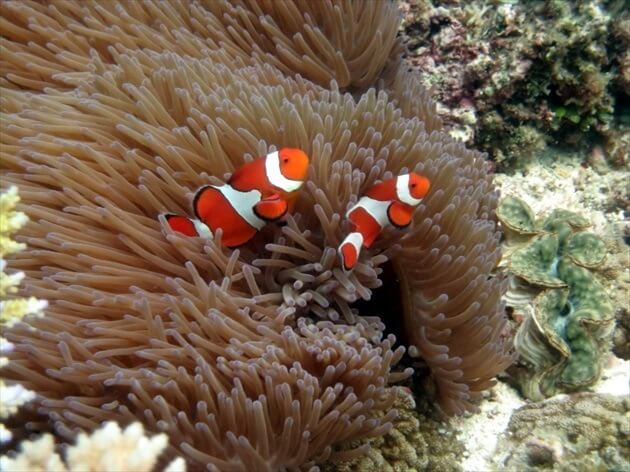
pixel 582 431
pixel 12 308
pixel 108 448
pixel 417 441
pixel 566 331
pixel 253 359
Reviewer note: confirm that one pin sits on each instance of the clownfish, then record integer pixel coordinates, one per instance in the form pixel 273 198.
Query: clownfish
pixel 259 192
pixel 390 202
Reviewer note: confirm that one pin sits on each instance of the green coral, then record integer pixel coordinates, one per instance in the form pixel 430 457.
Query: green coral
pixel 566 329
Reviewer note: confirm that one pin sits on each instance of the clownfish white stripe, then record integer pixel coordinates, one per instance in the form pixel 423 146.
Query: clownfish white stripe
pixel 275 176
pixel 402 191
pixel 377 209
pixel 243 203
pixel 202 229
pixel 355 239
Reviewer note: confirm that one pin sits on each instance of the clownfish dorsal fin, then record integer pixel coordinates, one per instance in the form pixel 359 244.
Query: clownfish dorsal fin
pixel 249 176
pixel 383 191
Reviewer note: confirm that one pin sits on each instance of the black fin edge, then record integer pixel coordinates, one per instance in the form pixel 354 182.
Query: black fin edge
pixel 271 220
pixel 391 221
pixel 196 198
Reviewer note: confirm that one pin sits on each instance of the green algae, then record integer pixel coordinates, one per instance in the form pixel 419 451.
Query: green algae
pixel 530 73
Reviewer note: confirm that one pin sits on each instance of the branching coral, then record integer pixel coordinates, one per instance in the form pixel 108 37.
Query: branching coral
pixel 108 448
pixel 12 309
pixel 566 331
pixel 253 359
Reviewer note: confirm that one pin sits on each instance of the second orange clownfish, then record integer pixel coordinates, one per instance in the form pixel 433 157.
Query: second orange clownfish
pixel 258 192
pixel 390 202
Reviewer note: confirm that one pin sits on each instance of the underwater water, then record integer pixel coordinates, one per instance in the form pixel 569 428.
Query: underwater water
pixel 336 235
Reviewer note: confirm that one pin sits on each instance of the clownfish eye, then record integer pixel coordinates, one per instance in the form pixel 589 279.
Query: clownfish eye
pixel 413 185
pixel 285 160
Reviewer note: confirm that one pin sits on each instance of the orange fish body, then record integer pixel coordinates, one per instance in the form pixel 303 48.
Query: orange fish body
pixel 391 202
pixel 258 192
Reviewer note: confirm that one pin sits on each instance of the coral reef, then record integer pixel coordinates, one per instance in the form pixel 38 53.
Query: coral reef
pixel 419 440
pixel 108 448
pixel 252 359
pixel 514 77
pixel 12 308
pixel 584 431
pixel 566 329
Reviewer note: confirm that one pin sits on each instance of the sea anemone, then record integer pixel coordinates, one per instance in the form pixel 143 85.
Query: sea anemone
pixel 252 359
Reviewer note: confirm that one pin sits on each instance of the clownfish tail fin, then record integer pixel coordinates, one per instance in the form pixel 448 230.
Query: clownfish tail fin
pixel 349 250
pixel 187 226
pixel 180 224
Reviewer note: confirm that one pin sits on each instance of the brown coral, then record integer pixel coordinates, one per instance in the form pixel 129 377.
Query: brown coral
pixel 124 120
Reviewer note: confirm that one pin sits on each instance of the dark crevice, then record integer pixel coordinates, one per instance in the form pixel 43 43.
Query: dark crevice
pixel 387 304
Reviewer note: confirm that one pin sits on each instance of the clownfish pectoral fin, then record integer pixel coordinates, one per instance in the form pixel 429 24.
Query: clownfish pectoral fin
pixel 349 250
pixel 181 224
pixel 399 214
pixel 271 208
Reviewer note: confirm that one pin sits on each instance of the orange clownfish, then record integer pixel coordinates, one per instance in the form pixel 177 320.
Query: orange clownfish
pixel 258 192
pixel 390 202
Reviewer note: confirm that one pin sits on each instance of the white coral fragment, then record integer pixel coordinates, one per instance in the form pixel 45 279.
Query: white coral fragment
pixel 36 456
pixel 108 449
pixel 12 310
pixel 13 397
